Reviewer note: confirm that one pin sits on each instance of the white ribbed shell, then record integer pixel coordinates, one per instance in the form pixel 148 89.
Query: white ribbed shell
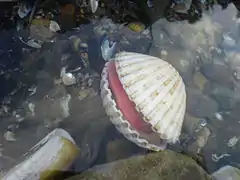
pixel 157 90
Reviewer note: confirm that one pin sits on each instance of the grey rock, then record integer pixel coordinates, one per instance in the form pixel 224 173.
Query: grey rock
pixel 227 172
pixel 200 105
pixel 217 73
pixel 225 96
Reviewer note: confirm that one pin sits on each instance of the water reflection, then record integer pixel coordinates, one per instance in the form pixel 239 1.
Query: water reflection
pixel 205 54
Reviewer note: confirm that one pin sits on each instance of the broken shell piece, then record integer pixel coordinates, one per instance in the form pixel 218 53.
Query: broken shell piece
pixel 150 3
pixel 9 136
pixel 31 43
pixel 24 10
pixel 53 154
pixel 218 116
pixel 216 157
pixel 236 73
pixel 203 122
pixel 19 118
pixel 67 78
pixel 54 27
pixel 202 138
pixel 93 5
pixel 107 48
pixel 31 108
pixel 233 141
pixel 32 90
pixel 64 103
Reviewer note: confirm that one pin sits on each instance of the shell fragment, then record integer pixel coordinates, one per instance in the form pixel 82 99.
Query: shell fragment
pixel 55 153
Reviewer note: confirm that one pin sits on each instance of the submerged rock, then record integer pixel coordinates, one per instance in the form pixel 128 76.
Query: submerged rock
pixel 217 73
pixel 200 105
pixel 227 172
pixel 165 165
pixel 226 97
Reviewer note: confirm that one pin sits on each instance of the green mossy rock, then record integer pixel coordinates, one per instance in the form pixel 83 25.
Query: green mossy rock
pixel 165 165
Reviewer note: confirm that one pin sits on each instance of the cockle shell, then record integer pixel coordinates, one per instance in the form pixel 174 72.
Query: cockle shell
pixel 156 91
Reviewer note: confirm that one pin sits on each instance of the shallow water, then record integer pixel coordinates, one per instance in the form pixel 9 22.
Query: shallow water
pixel 207 64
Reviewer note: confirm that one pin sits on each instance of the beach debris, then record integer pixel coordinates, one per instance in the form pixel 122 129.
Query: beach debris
pixel 233 141
pixel 24 9
pixel 67 78
pixel 31 43
pixel 9 136
pixel 54 27
pixel 216 157
pixel 107 48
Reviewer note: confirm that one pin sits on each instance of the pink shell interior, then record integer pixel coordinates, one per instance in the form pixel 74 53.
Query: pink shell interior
pixel 123 102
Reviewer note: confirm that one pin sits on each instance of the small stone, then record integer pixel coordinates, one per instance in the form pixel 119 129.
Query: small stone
pixel 31 108
pixel 164 53
pixel 233 141
pixel 203 137
pixel 200 105
pixel 57 81
pixel 83 94
pixel 67 78
pixel 192 124
pixel 54 27
pixel 9 136
pixel 119 149
pixel 218 116
pixel 203 122
pixel 201 140
pixel 199 80
pixel 136 26
pixel 217 73
pixel 224 95
pixel 236 73
pixel 227 173
pixel 228 41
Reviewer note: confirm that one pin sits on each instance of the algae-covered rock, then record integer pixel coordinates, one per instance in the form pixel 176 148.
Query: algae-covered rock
pixel 165 165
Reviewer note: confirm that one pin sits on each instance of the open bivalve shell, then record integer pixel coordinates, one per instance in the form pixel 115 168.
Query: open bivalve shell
pixel 148 101
pixel 54 154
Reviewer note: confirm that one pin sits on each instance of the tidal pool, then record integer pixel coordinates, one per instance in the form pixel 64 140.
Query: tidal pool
pixel 206 54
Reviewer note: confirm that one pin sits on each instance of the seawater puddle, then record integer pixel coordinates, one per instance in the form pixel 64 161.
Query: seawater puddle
pixel 205 54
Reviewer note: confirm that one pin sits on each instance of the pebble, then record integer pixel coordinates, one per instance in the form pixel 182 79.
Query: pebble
pixel 227 173
pixel 120 149
pixel 203 138
pixel 67 78
pixel 54 27
pixel 31 108
pixel 84 93
pixel 217 73
pixel 200 105
pixel 233 141
pixel 224 95
pixel 9 136
pixel 136 26
pixel 203 122
pixel 199 80
pixel 236 73
pixel 190 124
pixel 218 116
